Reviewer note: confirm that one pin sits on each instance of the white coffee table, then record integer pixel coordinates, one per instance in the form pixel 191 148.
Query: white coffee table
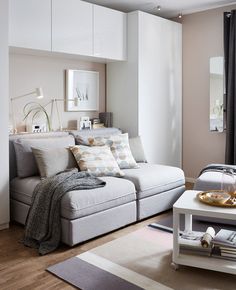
pixel 189 205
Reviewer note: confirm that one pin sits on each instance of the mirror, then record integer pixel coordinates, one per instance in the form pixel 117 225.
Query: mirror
pixel 216 93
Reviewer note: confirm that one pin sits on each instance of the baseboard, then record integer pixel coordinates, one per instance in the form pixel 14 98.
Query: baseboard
pixel 190 179
pixel 4 226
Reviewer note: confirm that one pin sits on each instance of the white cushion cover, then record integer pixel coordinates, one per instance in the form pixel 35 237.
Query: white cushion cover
pixel 26 164
pixel 137 150
pixel 151 179
pixel 79 203
pixel 52 161
pixel 211 180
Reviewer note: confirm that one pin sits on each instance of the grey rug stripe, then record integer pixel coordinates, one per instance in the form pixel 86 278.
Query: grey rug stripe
pixel 166 224
pixel 88 277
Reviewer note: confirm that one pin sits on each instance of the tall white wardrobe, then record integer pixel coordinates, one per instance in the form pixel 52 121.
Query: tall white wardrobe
pixel 145 92
pixel 4 99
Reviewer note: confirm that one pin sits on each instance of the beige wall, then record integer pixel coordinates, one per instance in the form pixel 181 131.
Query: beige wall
pixel 28 72
pixel 202 39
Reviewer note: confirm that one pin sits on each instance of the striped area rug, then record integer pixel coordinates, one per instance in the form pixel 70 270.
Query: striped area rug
pixel 140 260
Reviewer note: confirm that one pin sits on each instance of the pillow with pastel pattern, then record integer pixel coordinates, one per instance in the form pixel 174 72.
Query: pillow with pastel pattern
pixel 97 160
pixel 120 149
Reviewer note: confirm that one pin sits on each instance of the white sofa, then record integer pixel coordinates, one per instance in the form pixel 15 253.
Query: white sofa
pixel 85 214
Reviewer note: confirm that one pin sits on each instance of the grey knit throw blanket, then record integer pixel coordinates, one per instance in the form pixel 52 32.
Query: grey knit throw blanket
pixel 219 168
pixel 43 224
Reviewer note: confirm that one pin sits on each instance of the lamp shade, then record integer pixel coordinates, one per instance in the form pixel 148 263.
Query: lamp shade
pixel 39 93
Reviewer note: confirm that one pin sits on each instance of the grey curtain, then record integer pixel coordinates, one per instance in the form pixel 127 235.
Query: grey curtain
pixel 230 85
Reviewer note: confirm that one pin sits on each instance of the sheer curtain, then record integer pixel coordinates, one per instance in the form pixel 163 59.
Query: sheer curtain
pixel 230 85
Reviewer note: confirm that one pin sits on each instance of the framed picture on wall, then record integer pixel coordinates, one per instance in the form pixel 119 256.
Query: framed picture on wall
pixel 82 90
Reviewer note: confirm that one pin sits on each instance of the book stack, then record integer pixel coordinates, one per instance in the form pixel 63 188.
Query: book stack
pixel 97 124
pixel 190 243
pixel 225 245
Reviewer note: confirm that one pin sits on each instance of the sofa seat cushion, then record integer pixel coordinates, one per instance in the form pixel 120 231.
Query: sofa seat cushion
pixel 80 203
pixel 152 179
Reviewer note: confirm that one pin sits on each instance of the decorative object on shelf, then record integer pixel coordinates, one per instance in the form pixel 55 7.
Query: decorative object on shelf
pixel 228 181
pixel 35 110
pixel 37 128
pixel 38 92
pixel 54 103
pixel 225 245
pixel 217 198
pixel 98 126
pixel 85 123
pixel 106 119
pixel 97 123
pixel 207 237
pixel 190 242
pixel 83 86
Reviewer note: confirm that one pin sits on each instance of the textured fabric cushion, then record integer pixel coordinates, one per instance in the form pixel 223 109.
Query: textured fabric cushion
pixel 97 160
pixel 152 179
pixel 120 149
pixel 26 164
pixel 211 181
pixel 79 203
pixel 22 188
pixel 136 148
pixel 52 161
pixel 12 154
pixel 81 136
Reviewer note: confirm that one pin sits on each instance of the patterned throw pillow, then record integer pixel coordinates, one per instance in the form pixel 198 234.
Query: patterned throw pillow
pixel 97 160
pixel 120 149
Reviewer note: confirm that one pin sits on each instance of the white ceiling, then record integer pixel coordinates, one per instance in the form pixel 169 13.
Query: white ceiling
pixel 169 8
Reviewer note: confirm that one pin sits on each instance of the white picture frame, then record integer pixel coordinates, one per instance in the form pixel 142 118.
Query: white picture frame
pixel 83 87
pixel 85 125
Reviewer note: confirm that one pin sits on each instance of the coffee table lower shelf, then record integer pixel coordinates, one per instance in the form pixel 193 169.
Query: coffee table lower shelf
pixel 189 205
pixel 209 263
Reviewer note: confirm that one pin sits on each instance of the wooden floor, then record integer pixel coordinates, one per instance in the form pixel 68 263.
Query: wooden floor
pixel 23 268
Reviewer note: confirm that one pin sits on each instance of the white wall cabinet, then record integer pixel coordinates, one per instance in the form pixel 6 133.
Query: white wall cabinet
pixel 68 26
pixel 72 27
pixel 145 93
pixel 109 33
pixel 30 24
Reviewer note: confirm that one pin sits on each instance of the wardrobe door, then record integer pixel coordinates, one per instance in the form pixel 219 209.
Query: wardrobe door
pixel 30 24
pixel 160 89
pixel 72 27
pixel 109 33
